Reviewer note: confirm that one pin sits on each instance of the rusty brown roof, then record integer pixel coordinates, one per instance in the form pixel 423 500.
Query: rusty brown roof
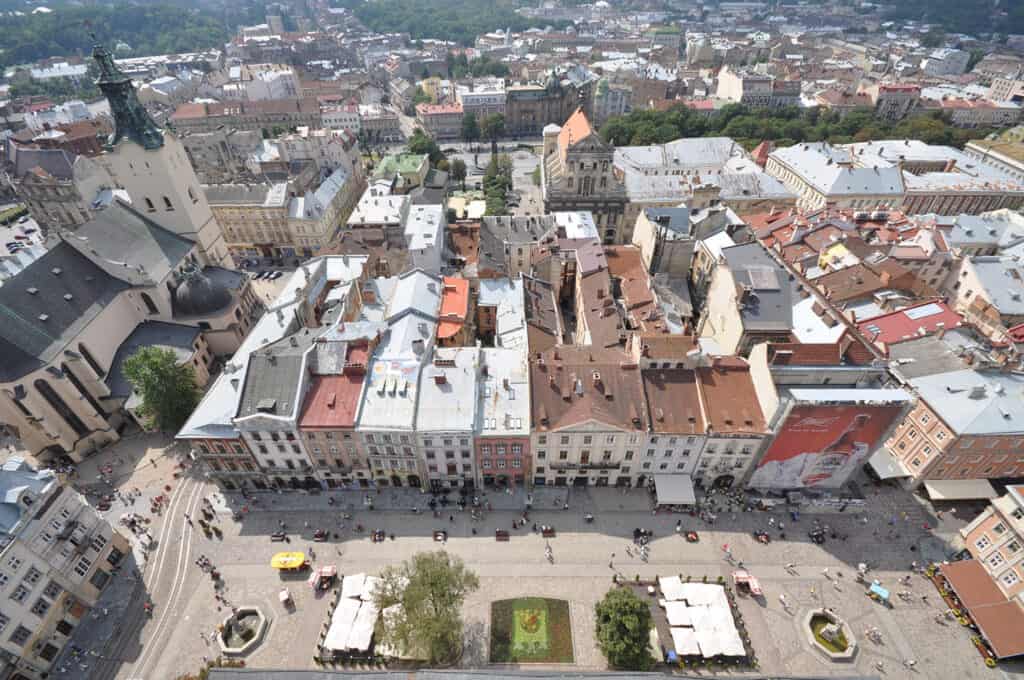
pixel 673 401
pixel 572 385
pixel 730 404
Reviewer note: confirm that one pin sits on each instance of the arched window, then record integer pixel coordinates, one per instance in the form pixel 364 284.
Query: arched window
pixel 58 405
pixel 149 304
pixel 91 360
pixel 86 394
pixel 167 204
pixel 149 204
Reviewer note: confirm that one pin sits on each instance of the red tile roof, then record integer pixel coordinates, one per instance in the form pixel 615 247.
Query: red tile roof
pixel 1000 620
pixel 907 323
pixel 575 129
pixel 731 405
pixel 799 354
pixel 454 307
pixel 332 402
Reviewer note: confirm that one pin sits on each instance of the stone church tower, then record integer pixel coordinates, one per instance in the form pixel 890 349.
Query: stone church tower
pixel 151 165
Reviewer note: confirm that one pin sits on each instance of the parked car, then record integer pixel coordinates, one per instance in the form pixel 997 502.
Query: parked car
pixel 273 276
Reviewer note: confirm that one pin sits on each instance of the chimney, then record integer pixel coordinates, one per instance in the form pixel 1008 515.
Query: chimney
pixel 440 379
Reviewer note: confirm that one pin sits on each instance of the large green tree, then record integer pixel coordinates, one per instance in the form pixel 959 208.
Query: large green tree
pixel 430 589
pixel 623 630
pixel 470 127
pixel 167 387
pixel 493 128
pixel 421 143
pixel 457 169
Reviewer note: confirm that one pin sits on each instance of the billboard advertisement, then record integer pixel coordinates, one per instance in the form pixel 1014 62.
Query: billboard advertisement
pixel 819 447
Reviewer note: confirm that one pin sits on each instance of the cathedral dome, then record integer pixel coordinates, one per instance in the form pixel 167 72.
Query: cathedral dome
pixel 198 295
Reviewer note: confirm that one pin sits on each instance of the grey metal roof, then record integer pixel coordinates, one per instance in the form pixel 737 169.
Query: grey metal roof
pixel 175 337
pixel 129 245
pixel 1003 280
pixel 771 306
pixel 56 162
pixel 18 478
pixel 972 402
pixel 677 220
pixel 69 300
pixel 272 381
pixel 829 169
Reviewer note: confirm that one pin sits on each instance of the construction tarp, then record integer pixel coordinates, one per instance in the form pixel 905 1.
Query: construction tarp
pixel 886 466
pixel 341 624
pixel 674 490
pixel 960 489
pixel 685 641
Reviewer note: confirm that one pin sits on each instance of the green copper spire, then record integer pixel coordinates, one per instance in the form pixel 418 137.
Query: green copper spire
pixel 131 119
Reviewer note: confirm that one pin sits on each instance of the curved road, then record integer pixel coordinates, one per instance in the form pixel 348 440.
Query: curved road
pixel 164 580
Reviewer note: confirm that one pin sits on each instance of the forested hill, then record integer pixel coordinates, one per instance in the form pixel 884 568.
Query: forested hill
pixel 148 29
pixel 459 21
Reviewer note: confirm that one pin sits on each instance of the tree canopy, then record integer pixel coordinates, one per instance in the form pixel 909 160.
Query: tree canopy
pixel 623 630
pixel 459 66
pixel 421 143
pixel 470 127
pixel 148 29
pixel 783 126
pixel 458 21
pixel 167 387
pixel 497 183
pixel 430 587
pixel 457 170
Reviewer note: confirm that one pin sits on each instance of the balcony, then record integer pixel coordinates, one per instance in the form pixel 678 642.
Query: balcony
pixel 585 466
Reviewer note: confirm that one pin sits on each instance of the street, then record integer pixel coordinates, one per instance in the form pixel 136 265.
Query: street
pixel 177 637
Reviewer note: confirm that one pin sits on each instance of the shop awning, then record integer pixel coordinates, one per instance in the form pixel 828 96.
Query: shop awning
pixel 674 490
pixel 960 489
pixel 886 466
pixel 1001 621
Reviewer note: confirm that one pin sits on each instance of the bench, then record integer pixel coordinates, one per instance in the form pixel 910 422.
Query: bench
pixel 500 535
pixel 548 533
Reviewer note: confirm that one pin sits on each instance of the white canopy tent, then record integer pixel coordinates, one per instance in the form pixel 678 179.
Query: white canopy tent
pixel 361 633
pixel 678 614
pixel 960 489
pixel 341 624
pixel 674 490
pixel 685 641
pixel 352 586
pixel 671 587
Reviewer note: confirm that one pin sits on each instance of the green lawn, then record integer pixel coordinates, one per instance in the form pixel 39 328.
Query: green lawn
pixel 531 630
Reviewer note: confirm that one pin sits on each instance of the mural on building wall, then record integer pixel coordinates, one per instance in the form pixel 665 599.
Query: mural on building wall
pixel 821 446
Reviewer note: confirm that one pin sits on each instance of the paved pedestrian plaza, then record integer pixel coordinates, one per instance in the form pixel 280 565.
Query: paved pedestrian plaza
pixel 889 534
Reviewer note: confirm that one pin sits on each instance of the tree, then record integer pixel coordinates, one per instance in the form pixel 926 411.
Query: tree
pixel 457 170
pixel 167 387
pixel 492 128
pixel 623 630
pixel 470 127
pixel 430 588
pixel 421 143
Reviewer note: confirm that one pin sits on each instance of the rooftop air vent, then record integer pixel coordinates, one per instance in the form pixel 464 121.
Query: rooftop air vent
pixel 44 317
pixel 33 291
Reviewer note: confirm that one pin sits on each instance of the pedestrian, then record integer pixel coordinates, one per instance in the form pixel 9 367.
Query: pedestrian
pixel 611 561
pixel 924 599
pixel 451 518
pixel 188 519
pixel 565 507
